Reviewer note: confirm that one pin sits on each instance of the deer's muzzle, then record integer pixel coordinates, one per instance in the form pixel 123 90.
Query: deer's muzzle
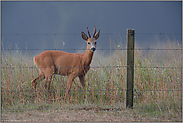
pixel 93 49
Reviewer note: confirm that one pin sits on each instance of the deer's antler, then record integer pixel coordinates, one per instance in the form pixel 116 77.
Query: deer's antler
pixel 94 31
pixel 88 32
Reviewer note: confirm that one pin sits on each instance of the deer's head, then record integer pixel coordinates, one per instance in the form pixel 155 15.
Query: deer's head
pixel 91 41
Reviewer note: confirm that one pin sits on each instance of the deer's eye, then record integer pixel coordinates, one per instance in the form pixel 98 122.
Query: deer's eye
pixel 88 42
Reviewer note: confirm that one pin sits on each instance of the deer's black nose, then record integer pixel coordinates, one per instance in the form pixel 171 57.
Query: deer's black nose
pixel 93 49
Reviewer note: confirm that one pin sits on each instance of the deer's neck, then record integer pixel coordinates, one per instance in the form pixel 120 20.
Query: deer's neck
pixel 87 58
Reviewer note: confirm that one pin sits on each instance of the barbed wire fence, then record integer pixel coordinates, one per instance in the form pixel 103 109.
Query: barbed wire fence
pixel 139 33
pixel 112 91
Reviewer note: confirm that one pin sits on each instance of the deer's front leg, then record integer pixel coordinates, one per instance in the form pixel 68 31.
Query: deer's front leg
pixel 82 81
pixel 69 82
pixel 69 85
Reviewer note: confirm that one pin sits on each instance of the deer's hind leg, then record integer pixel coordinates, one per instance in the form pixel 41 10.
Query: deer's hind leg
pixel 40 77
pixel 48 76
pixel 47 83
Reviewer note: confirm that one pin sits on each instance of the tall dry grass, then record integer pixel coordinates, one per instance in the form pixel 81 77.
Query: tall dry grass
pixel 157 82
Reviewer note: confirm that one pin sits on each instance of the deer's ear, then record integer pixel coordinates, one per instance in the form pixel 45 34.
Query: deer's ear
pixel 97 35
pixel 84 36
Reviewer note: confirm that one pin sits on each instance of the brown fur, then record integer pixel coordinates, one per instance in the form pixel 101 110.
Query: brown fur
pixel 67 64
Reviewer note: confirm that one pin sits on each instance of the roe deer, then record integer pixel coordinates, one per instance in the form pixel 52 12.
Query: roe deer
pixel 68 64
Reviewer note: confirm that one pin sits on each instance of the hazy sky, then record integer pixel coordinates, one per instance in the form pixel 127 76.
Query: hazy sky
pixel 36 23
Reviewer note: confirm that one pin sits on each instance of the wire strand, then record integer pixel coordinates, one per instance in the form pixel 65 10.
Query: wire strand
pixel 156 67
pixel 97 49
pixel 107 33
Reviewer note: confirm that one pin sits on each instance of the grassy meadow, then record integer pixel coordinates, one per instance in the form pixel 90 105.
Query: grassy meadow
pixel 157 88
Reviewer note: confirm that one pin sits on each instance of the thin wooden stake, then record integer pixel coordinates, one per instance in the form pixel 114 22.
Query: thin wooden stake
pixel 130 68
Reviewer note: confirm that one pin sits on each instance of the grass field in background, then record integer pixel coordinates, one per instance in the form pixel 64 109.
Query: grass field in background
pixel 157 86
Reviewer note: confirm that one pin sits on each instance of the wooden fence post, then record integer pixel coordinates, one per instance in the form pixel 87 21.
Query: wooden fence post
pixel 130 68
